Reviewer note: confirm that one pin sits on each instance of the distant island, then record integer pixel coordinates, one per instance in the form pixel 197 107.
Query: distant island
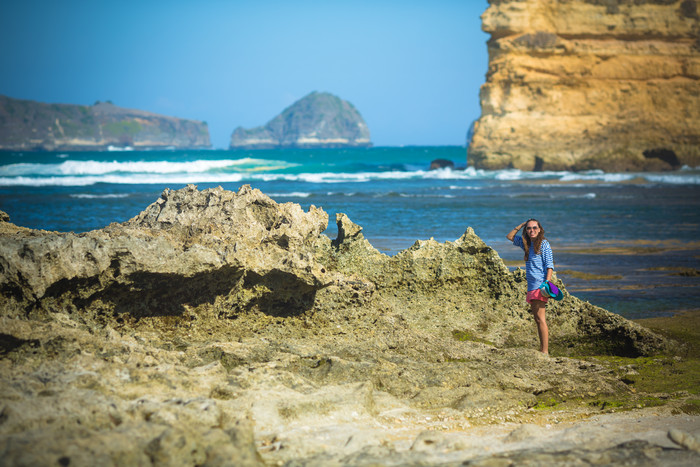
pixel 319 120
pixel 35 126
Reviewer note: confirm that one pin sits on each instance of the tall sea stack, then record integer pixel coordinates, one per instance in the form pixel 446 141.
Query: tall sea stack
pixel 590 84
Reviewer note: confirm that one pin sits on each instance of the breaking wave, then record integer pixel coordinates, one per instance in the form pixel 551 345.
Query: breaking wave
pixel 250 169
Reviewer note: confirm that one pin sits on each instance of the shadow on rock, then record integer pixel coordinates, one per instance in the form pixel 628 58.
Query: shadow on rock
pixel 148 294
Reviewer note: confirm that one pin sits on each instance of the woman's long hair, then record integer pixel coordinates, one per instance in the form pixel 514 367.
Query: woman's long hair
pixel 538 239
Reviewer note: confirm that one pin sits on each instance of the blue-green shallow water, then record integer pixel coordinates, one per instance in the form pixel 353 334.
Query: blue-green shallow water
pixel 652 219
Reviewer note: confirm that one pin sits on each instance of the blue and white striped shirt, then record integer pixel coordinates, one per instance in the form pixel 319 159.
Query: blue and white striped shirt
pixel 537 265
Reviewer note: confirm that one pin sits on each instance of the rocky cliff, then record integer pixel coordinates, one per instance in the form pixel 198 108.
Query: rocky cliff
pixel 319 120
pixel 35 126
pixel 590 84
pixel 221 328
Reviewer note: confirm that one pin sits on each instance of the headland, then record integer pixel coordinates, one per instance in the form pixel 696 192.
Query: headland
pixel 36 126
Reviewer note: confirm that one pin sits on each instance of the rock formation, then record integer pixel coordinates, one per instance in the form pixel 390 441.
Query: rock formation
pixel 441 164
pixel 35 126
pixel 319 120
pixel 223 328
pixel 590 84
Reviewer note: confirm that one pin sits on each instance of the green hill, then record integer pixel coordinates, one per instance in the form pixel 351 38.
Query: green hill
pixel 35 126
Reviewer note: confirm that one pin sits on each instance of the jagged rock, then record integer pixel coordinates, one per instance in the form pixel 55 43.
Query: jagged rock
pixel 588 84
pixel 441 164
pixel 28 125
pixel 318 120
pixel 185 248
pixel 213 315
pixel 214 252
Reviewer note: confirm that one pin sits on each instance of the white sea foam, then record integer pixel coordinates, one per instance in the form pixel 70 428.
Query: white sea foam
pixel 414 195
pixel 470 173
pixel 81 173
pixel 465 187
pixel 330 177
pixel 675 179
pixel 341 193
pixel 92 167
pixel 106 196
pixel 119 148
pixel 597 176
pixel 293 194
pixel 582 196
pixel 137 179
pixel 685 177
pixel 343 177
pixel 512 174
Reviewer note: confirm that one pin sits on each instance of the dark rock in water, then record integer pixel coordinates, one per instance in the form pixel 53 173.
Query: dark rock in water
pixel 36 126
pixel 221 326
pixel 441 164
pixel 319 120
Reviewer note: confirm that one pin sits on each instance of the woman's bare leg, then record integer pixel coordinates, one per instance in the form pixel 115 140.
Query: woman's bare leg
pixel 537 308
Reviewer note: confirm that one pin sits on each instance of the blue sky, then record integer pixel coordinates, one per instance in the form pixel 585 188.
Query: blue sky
pixel 412 68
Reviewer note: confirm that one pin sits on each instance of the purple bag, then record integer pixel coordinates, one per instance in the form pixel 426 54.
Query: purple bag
pixel 551 290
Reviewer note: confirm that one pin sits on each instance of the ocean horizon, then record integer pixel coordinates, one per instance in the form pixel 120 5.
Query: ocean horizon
pixel 628 242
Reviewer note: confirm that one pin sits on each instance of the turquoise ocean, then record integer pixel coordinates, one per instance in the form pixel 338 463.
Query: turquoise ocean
pixel 629 242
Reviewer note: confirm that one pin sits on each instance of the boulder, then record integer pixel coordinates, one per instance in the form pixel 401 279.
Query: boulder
pixel 441 164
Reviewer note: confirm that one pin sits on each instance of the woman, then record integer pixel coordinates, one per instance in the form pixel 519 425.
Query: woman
pixel 539 265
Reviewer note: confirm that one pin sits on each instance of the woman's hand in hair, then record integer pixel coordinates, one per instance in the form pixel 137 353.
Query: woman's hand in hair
pixel 514 231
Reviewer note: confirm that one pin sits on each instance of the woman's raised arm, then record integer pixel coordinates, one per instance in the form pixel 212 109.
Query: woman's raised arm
pixel 512 233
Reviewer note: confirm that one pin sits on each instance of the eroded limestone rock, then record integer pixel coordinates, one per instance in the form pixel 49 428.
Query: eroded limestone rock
pixel 217 327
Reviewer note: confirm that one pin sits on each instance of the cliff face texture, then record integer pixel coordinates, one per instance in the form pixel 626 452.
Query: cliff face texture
pixel 317 120
pixel 36 126
pixel 590 84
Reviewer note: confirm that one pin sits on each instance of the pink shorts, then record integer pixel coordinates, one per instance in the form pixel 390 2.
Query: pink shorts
pixel 536 295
